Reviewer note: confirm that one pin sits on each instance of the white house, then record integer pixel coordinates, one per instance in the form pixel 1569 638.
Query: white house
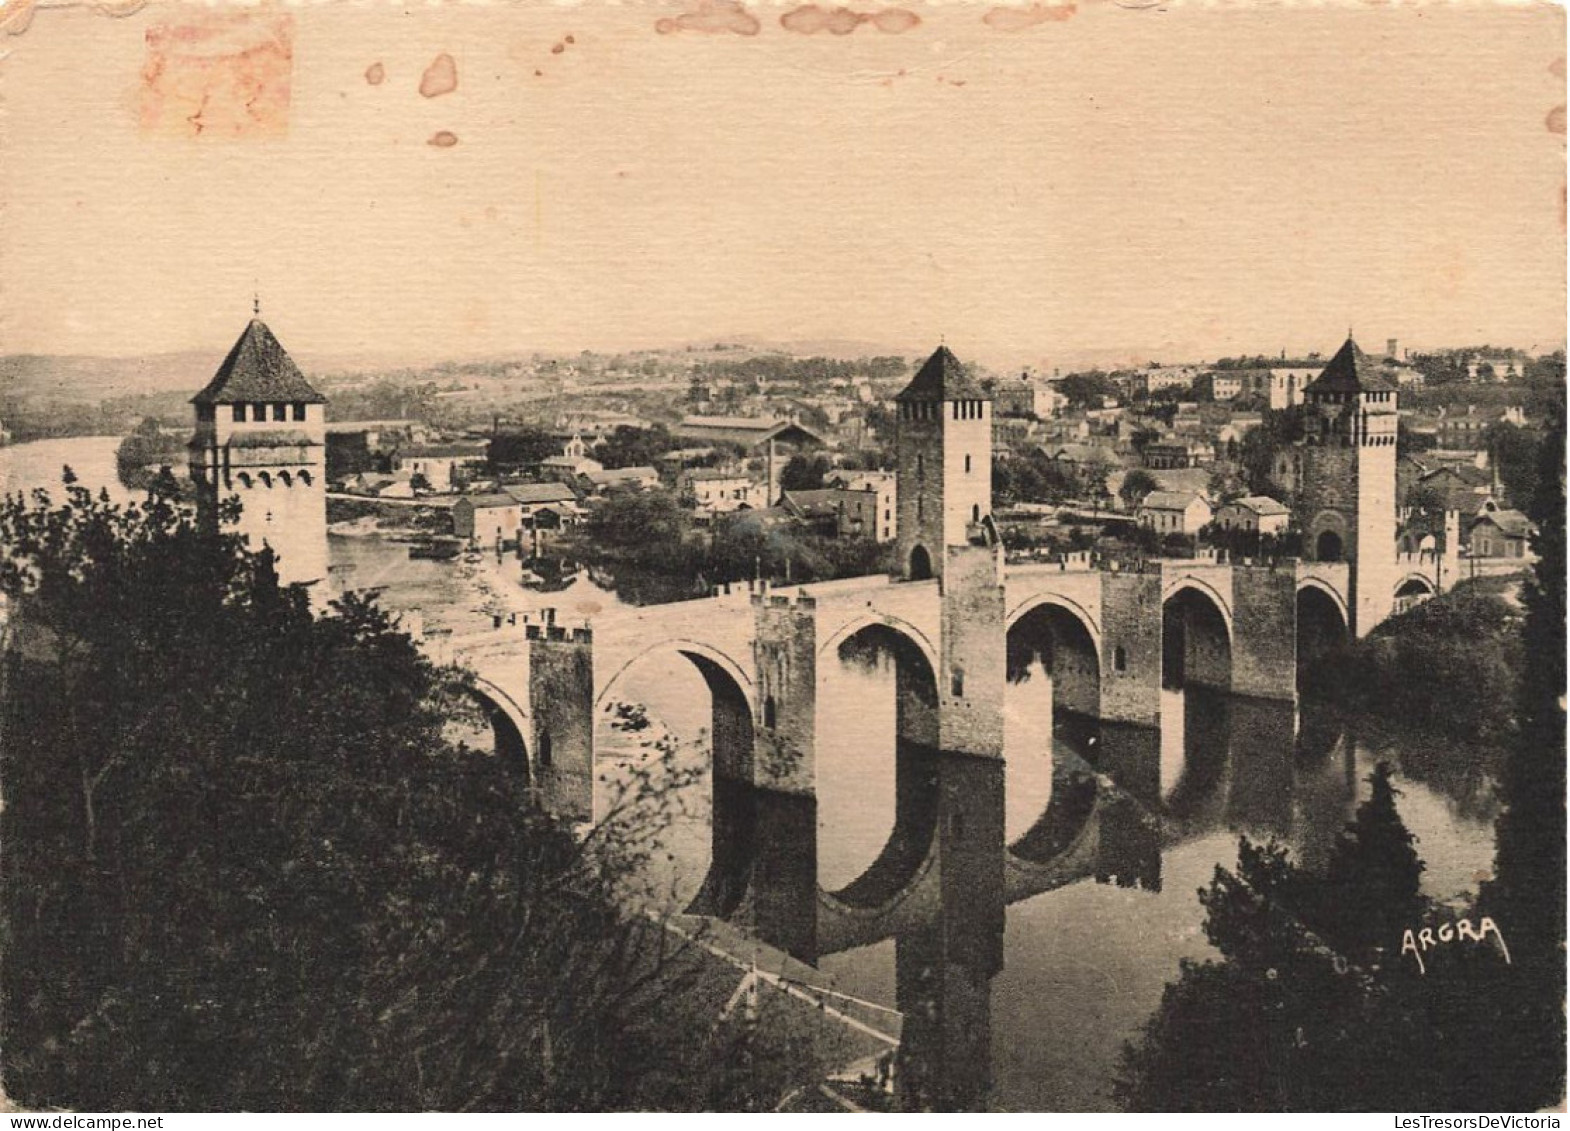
pixel 1173 512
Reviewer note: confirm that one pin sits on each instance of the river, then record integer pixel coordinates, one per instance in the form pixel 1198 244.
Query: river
pixel 1083 966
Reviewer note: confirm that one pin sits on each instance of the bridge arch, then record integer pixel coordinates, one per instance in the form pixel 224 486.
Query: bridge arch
pixel 732 818
pixel 869 617
pixel 884 687
pixel 696 651
pixel 1051 704
pixel 1323 624
pixel 508 723
pixel 1196 635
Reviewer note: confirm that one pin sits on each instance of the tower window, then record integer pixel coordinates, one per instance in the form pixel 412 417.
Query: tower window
pixel 1119 658
pixel 280 412
pixel 545 748
pixel 967 465
pixel 305 478
pixel 258 412
pixel 975 512
pixel 770 713
pixel 238 412
pixel 299 410
pixel 957 682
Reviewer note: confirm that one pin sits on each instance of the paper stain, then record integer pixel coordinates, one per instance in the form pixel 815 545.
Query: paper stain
pixel 712 17
pixel 440 78
pixel 1556 120
pixel 442 139
pixel 217 73
pixel 375 74
pixel 1019 19
pixel 809 19
pixel 16 16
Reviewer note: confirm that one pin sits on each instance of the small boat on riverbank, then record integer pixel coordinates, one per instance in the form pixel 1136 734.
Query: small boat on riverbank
pixel 436 549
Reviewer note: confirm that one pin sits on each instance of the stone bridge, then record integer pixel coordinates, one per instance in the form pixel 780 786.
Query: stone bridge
pixel 1110 639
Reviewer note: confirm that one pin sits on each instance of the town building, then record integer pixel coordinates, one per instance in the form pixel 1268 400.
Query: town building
pixel 1502 534
pixel 261 438
pixel 442 466
pixel 719 490
pixel 621 479
pixel 1173 512
pixel 488 520
pixel 884 485
pixel 1171 453
pixel 1257 514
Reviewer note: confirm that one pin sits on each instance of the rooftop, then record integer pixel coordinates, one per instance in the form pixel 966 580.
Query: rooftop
pixel 258 370
pixel 1170 500
pixel 942 378
pixel 1352 371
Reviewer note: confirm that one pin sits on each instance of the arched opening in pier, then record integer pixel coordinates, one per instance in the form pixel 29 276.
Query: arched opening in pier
pixel 673 748
pixel 920 564
pixel 1412 591
pixel 1051 705
pixel 877 774
pixel 1328 547
pixel 1321 629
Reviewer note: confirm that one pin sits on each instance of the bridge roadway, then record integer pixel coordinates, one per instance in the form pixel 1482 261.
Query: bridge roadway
pixel 1110 636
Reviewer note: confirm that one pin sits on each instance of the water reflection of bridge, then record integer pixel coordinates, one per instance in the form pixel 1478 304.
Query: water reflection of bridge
pixel 1109 639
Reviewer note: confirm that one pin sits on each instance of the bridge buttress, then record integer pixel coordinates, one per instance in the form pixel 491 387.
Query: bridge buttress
pixel 781 901
pixel 1131 648
pixel 561 700
pixel 1264 632
pixel 973 654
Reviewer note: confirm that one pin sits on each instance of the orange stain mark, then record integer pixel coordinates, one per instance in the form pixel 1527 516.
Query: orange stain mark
pixel 441 77
pixel 442 139
pixel 809 19
pixel 1557 67
pixel 1018 19
pixel 375 74
pixel 1556 120
pixel 222 74
pixel 558 48
pixel 712 17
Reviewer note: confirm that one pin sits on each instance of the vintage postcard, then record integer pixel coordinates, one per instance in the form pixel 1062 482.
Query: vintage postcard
pixel 806 556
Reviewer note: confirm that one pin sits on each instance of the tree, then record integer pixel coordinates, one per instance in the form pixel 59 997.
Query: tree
pixel 629 446
pixel 245 868
pixel 1528 889
pixel 145 451
pixel 520 447
pixel 1135 486
pixel 803 473
pixel 1372 887
pixel 1226 482
pixel 1514 453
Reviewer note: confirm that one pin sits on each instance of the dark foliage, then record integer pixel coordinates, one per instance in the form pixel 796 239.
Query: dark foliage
pixel 1314 1007
pixel 1451 665
pixel 244 869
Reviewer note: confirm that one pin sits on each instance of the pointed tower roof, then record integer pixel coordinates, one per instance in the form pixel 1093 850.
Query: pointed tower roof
pixel 942 378
pixel 1352 371
pixel 258 369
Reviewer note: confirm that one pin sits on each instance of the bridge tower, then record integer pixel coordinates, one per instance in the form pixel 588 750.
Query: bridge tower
pixel 1345 504
pixel 944 444
pixel 260 436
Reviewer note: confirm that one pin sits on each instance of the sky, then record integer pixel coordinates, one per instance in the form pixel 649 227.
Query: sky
pixel 1178 182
